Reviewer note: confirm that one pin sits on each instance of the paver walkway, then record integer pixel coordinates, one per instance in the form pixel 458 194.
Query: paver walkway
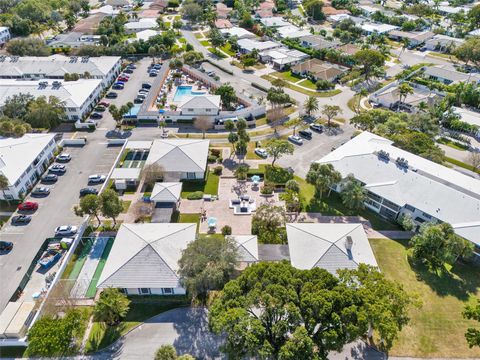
pixel 88 270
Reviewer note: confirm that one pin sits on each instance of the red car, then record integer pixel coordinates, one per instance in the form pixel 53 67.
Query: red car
pixel 121 78
pixel 104 103
pixel 28 206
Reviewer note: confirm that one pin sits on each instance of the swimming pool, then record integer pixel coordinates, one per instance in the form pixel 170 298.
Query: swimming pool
pixel 185 91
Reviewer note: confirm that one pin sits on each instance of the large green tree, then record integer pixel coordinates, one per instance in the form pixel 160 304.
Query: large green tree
pixel 385 303
pixel 45 112
pixel 369 61
pixel 353 194
pixel 268 223
pixel 276 148
pixel 54 336
pixel 207 264
pixel 111 307
pixel 15 107
pixel 28 47
pixel 437 245
pixel 89 205
pixel 110 204
pixel 227 95
pixel 269 302
pixel 323 177
pixel 469 51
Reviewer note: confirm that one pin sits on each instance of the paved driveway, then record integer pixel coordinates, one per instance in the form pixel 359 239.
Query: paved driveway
pixel 185 328
pixel 315 149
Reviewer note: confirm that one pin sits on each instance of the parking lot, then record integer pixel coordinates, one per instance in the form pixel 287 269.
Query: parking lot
pixel 54 210
pixel 314 149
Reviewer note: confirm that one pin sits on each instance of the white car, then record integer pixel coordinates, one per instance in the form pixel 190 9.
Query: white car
pixel 96 179
pixel 295 139
pixel 66 230
pixel 261 152
pixel 64 157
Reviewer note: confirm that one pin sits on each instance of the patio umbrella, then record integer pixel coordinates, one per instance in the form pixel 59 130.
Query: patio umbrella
pixel 212 222
pixel 256 179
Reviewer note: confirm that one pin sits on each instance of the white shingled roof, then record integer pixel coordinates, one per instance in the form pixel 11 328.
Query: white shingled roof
pixel 146 255
pixel 324 245
pixel 179 155
pixel 247 247
pixel 441 192
pixel 126 174
pixel 16 154
pixel 166 192
pixel 200 102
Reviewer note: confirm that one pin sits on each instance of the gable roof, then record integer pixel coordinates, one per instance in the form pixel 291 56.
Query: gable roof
pixel 146 255
pixel 200 101
pixel 247 247
pixel 324 245
pixel 166 192
pixel 178 155
pixel 320 69
pixel 454 76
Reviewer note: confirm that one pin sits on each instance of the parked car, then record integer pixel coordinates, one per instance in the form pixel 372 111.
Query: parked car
pixel 6 246
pixel 21 219
pixel 88 191
pixel 96 116
pixel 146 85
pixel 143 91
pixel 28 206
pixel 66 230
pixel 57 169
pixel 111 95
pixel 100 108
pixel 49 178
pixel 64 157
pixel 152 73
pixel 41 191
pixel 131 66
pixel 317 127
pixel 118 87
pixel 142 96
pixel 261 152
pixel 157 66
pixel 104 103
pixel 128 70
pixel 96 179
pixel 122 79
pixel 306 134
pixel 295 139
pixel 138 100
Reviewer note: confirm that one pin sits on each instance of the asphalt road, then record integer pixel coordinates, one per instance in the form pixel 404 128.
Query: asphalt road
pixel 57 208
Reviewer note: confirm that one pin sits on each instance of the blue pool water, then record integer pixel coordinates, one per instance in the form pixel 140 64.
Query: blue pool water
pixel 185 91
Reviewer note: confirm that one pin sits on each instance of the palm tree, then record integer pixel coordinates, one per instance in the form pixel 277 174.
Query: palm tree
pixel 4 185
pixel 111 307
pixel 311 105
pixel 353 194
pixel 323 177
pixel 361 94
pixel 404 89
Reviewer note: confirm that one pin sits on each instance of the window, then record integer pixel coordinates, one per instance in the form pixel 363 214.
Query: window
pixel 189 109
pixel 409 207
pixel 208 110
pixel 144 291
pixel 391 205
pixel 167 291
pixel 426 215
pixel 124 291
pixel 191 175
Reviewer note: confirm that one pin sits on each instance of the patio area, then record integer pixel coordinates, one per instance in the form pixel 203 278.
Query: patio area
pixel 224 211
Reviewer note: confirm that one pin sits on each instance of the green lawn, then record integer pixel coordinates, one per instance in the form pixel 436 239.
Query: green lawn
pixel 217 53
pixel 198 35
pixel 332 206
pixel 308 84
pixel 453 144
pixel 102 336
pixel 227 49
pixel 210 186
pixel 287 76
pixel 437 328
pixel 92 288
pixel 205 42
pixel 79 257
pixel 461 164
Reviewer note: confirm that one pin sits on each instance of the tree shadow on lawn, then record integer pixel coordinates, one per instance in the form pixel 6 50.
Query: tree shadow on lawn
pixel 461 281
